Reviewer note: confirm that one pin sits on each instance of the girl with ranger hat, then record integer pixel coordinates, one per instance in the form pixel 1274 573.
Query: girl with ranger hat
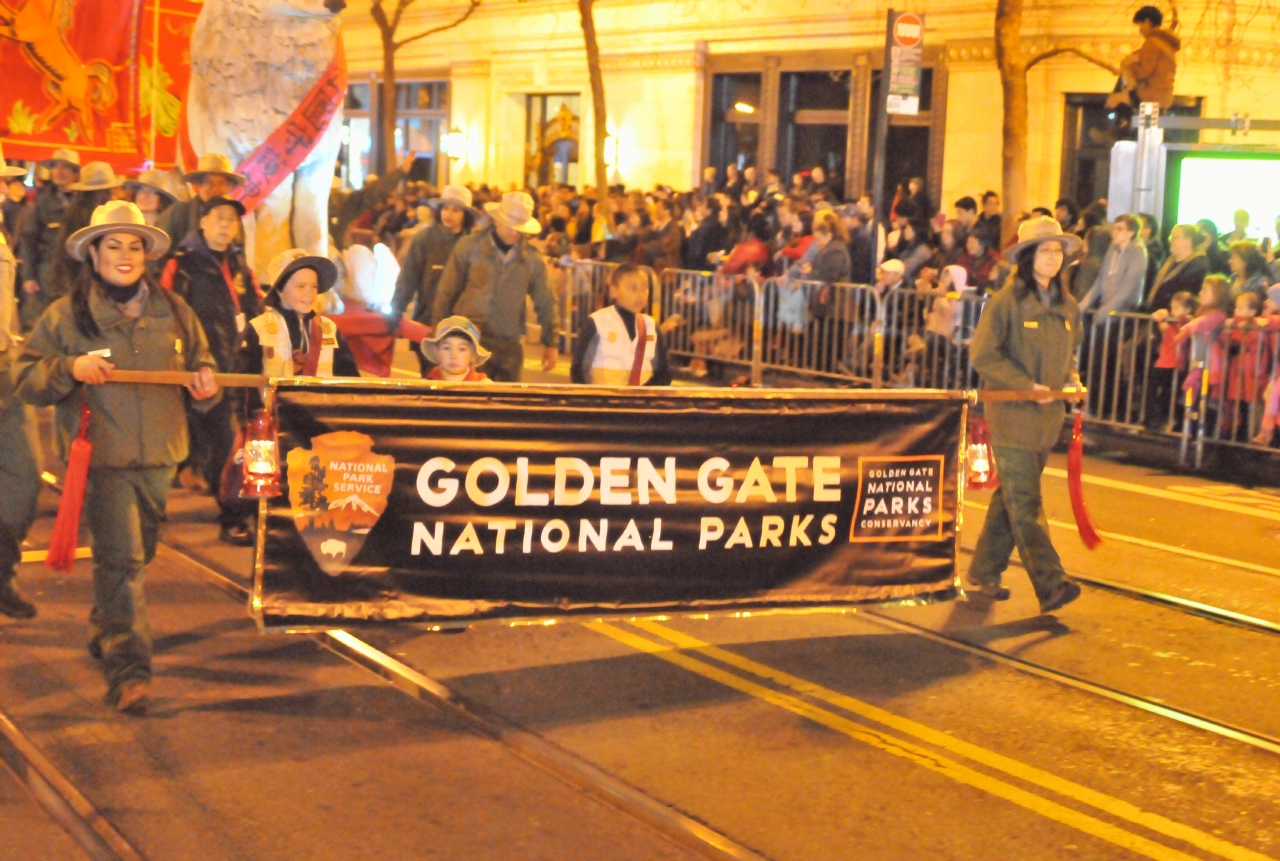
pixel 289 339
pixel 117 317
pixel 1027 339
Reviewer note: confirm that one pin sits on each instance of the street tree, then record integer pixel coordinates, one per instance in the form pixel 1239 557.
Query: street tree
pixel 600 128
pixel 388 24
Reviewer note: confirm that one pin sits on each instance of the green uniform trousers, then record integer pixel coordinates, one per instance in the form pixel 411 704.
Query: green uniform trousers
pixel 124 508
pixel 507 361
pixel 1016 520
pixel 19 482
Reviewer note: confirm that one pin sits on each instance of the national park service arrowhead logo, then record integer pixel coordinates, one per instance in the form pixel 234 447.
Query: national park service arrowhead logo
pixel 338 489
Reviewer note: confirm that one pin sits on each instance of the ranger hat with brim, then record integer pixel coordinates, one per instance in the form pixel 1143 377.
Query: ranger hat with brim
pixel 1036 231
pixel 454 326
pixel 215 164
pixel 7 171
pixel 516 211
pixel 96 176
pixel 69 157
pixel 214 202
pixel 118 216
pixel 457 195
pixel 153 180
pixel 295 259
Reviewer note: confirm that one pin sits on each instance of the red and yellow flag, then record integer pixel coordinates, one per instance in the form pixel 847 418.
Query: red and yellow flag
pixel 103 77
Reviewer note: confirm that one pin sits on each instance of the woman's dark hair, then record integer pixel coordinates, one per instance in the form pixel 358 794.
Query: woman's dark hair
pixel 1024 274
pixel 1254 262
pixel 758 226
pixel 1093 215
pixel 1150 14
pixel 1209 229
pixel 983 238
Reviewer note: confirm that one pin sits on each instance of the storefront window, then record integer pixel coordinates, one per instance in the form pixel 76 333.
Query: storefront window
pixel 735 120
pixel 552 127
pixel 422 115
pixel 813 123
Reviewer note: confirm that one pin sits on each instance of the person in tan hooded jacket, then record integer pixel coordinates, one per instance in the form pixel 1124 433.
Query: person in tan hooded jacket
pixel 1147 74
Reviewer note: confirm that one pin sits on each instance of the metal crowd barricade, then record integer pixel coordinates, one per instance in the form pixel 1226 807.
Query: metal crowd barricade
pixel 717 319
pixel 1117 360
pixel 1236 399
pixel 588 292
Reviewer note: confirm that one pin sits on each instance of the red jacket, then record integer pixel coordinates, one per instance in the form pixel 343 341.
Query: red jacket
pixel 1248 362
pixel 372 344
pixel 1170 355
pixel 745 254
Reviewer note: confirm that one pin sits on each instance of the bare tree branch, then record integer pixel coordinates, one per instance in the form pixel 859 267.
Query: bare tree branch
pixel 1053 52
pixel 425 33
pixel 380 18
pixel 401 5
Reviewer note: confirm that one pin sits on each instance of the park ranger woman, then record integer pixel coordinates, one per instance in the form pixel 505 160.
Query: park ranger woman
pixel 116 317
pixel 1026 339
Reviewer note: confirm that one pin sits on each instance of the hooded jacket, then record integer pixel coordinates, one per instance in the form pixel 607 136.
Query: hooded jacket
pixel 1153 67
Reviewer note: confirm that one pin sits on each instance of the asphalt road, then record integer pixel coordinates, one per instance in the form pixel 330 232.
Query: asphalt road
pixel 800 736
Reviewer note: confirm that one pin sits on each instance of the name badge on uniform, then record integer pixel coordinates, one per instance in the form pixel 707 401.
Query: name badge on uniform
pixel 240 323
pixel 652 338
pixel 328 342
pixel 177 346
pixel 104 353
pixel 1068 322
pixel 1030 324
pixel 613 337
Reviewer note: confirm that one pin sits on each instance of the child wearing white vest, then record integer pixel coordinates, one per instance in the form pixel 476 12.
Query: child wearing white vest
pixel 289 339
pixel 621 345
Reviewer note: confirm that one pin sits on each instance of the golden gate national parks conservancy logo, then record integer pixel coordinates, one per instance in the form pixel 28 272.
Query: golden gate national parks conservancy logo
pixel 899 499
pixel 338 489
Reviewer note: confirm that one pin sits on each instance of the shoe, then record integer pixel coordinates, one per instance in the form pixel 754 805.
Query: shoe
pixel 13 604
pixel 1061 597
pixel 993 591
pixel 134 695
pixel 237 534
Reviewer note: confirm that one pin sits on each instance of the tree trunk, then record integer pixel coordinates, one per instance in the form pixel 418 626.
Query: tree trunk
pixel 1013 83
pixel 387 105
pixel 597 95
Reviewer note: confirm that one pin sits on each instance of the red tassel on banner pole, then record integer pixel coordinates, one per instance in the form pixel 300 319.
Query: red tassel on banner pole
pixel 1075 458
pixel 66 528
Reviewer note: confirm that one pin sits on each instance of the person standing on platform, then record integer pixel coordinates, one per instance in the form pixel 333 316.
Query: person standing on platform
pixel 118 318
pixel 213 177
pixel 209 271
pixel 38 245
pixel 429 251
pixel 1026 339
pixel 19 444
pixel 486 280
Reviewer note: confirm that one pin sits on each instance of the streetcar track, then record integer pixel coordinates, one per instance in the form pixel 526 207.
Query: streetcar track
pixel 1262 741
pixel 559 763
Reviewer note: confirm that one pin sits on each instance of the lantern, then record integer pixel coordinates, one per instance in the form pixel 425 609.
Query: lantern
pixel 980 461
pixel 261 458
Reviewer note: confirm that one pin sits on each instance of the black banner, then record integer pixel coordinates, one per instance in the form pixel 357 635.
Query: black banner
pixel 444 502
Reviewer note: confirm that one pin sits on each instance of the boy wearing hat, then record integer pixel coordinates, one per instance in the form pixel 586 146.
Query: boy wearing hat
pixel 209 271
pixel 455 352
pixel 1026 339
pixel 487 278
pixel 214 176
pixel 38 242
pixel 621 345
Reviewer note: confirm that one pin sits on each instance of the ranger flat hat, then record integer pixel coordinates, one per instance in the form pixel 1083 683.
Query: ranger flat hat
pixel 284 264
pixel 217 164
pixel 458 195
pixel 96 176
pixel 516 210
pixel 65 156
pixel 159 181
pixel 454 325
pixel 118 216
pixel 6 170
pixel 1035 231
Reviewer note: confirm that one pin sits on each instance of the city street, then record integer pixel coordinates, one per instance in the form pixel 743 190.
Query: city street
pixel 1117 728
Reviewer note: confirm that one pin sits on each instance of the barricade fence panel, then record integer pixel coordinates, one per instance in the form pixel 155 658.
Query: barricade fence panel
pixel 1214 388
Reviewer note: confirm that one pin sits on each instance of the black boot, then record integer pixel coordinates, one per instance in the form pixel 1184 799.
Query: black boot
pixel 13 604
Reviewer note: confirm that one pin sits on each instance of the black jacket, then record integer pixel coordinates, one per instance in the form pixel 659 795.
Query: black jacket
pixel 708 236
pixel 195 274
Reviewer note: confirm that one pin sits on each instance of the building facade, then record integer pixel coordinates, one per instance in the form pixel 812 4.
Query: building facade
pixel 789 84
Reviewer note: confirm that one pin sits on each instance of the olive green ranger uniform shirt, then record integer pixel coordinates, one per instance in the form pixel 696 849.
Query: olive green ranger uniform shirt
pixel 1019 342
pixel 133 425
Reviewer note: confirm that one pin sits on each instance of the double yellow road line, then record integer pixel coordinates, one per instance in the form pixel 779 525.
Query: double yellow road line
pixel 746 676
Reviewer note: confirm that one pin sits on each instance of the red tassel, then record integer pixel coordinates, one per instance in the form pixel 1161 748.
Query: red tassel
pixel 1075 459
pixel 66 528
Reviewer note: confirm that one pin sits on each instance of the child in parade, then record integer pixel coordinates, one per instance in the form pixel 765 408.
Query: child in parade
pixel 118 317
pixel 1172 356
pixel 455 352
pixel 620 345
pixel 289 339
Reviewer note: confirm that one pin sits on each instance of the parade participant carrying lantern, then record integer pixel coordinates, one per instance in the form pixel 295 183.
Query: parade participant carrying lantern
pixel 116 317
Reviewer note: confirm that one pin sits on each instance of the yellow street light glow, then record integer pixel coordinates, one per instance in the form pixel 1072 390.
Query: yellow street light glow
pixel 744 108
